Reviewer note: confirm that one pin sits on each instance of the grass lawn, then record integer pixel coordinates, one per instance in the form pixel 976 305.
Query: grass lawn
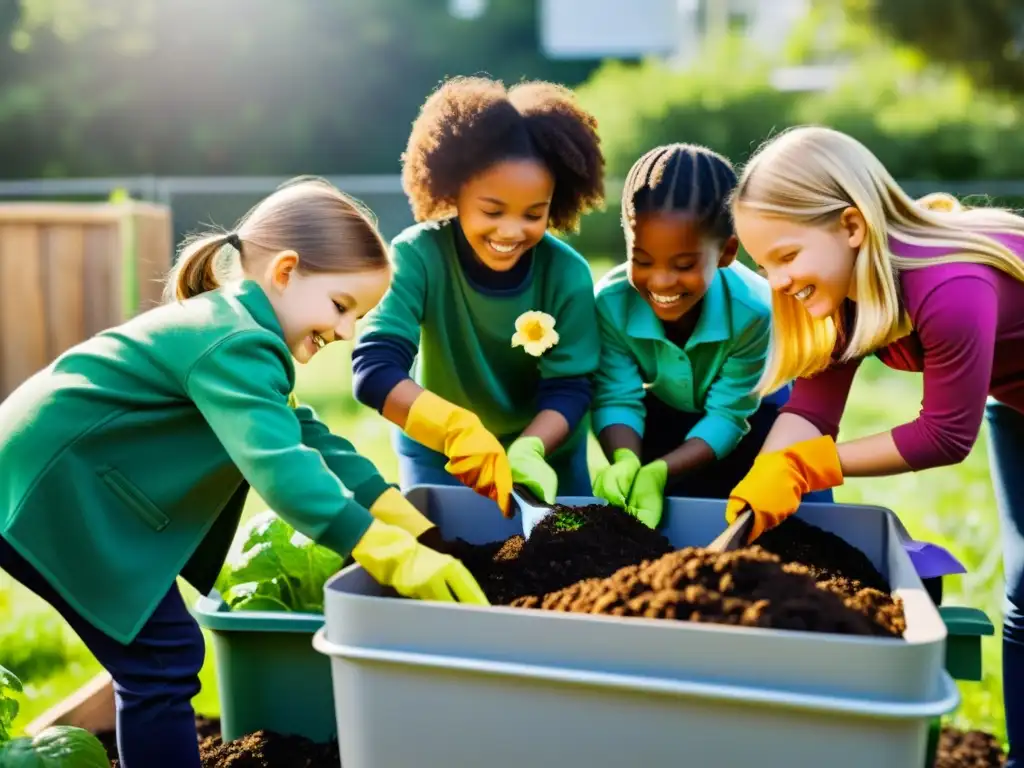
pixel 952 506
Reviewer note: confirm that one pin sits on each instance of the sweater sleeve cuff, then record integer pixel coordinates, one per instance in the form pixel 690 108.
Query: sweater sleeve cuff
pixel 378 366
pixel 367 493
pixel 346 529
pixel 617 414
pixel 722 434
pixel 568 396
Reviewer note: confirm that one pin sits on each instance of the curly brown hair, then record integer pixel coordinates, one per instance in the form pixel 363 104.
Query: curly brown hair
pixel 470 123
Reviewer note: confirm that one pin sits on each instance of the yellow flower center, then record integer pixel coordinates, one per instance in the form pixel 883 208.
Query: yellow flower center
pixel 534 331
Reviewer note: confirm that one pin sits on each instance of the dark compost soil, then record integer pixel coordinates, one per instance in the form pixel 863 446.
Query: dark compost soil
pixel 968 749
pixel 263 749
pixel 598 559
pixel 957 749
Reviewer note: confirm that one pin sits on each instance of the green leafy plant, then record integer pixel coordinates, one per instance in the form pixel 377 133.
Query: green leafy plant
pixel 60 746
pixel 279 569
pixel 568 521
pixel 9 685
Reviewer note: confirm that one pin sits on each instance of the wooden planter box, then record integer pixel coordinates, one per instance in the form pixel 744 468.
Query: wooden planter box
pixel 70 270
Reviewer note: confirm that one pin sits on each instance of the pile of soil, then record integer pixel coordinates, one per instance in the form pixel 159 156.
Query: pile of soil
pixel 572 544
pixel 968 749
pixel 263 749
pixel 599 559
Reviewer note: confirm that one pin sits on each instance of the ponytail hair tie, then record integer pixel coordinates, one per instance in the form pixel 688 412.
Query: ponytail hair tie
pixel 234 241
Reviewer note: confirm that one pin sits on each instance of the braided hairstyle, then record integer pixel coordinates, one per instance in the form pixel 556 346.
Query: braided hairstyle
pixel 471 123
pixel 681 177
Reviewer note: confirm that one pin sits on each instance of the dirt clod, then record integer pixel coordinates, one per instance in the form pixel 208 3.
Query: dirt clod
pixel 262 749
pixel 968 749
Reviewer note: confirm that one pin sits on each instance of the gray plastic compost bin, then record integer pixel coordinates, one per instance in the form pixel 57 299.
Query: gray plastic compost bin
pixel 440 685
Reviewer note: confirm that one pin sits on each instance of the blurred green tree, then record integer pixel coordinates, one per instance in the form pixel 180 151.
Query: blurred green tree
pixel 103 87
pixel 985 37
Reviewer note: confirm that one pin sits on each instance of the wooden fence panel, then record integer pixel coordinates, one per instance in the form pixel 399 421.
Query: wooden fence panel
pixel 71 270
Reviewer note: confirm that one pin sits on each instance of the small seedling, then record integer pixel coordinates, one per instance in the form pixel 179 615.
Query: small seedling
pixel 568 521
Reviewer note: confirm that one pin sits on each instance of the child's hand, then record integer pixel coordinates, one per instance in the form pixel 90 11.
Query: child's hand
pixel 475 456
pixel 647 499
pixel 614 482
pixel 777 482
pixel 526 458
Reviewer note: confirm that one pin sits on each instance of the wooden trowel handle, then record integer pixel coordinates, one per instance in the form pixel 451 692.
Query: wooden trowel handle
pixel 735 536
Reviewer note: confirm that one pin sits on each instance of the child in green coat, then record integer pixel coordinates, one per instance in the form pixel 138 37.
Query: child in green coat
pixel 685 330
pixel 126 462
pixel 497 313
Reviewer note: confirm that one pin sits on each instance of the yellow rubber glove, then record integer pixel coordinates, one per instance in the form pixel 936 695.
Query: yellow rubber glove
pixel 475 456
pixel 395 559
pixel 614 482
pixel 776 483
pixel 393 508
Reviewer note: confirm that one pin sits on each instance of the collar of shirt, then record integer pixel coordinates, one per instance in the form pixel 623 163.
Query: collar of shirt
pixel 714 324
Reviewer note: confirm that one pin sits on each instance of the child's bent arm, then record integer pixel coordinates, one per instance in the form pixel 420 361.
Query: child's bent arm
pixel 353 469
pixel 241 387
pixel 789 428
pixel 691 455
pixel 617 436
pixel 399 401
pixel 551 427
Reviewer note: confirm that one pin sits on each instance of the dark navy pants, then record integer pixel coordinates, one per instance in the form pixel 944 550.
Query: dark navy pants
pixel 155 677
pixel 1006 458
pixel 665 428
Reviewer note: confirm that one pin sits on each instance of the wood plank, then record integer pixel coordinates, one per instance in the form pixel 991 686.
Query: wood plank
pixel 91 707
pixel 155 246
pixel 22 307
pixel 73 213
pixel 102 251
pixel 63 269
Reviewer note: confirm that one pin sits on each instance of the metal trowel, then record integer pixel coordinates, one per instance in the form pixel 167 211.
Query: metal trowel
pixel 532 509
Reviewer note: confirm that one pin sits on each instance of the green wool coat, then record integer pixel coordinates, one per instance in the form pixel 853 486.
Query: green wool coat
pixel 126 462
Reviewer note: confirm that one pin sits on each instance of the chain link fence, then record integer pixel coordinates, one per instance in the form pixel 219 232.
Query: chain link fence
pixel 198 201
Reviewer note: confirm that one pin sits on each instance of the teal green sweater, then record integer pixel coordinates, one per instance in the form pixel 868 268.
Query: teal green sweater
pixel 714 373
pixel 464 337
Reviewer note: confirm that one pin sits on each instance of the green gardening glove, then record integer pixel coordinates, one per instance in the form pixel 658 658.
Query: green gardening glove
pixel 614 482
pixel 526 458
pixel 647 499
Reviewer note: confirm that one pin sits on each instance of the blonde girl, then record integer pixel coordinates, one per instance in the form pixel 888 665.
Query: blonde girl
pixel 859 268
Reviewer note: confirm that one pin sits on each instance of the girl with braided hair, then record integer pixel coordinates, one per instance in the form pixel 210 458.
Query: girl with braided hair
pixel 685 336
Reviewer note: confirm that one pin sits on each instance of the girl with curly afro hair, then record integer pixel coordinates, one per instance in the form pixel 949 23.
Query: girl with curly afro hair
pixel 498 313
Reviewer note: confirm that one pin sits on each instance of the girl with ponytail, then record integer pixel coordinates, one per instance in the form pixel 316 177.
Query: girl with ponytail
pixel 126 462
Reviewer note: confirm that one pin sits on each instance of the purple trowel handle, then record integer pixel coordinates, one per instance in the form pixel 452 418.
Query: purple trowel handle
pixel 931 560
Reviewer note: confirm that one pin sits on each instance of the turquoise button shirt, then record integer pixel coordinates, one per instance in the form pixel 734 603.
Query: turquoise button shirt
pixel 714 373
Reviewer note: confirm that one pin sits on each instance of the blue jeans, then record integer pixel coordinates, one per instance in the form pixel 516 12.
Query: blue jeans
pixel 1006 459
pixel 664 430
pixel 418 465
pixel 155 677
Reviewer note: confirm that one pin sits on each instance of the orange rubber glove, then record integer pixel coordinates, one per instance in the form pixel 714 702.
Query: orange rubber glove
pixel 475 456
pixel 776 483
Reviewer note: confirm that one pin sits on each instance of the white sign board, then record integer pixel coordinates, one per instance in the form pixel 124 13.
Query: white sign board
pixel 609 28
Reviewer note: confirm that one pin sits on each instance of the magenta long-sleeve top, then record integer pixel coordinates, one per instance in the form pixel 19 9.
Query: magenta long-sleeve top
pixel 968 342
